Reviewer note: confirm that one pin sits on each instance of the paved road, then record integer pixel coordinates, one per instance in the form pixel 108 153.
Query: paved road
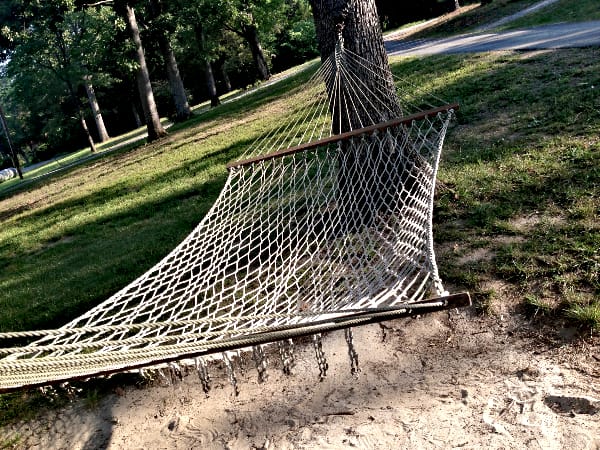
pixel 561 35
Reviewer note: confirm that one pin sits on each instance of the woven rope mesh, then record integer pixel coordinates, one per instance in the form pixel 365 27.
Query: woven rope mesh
pixel 340 226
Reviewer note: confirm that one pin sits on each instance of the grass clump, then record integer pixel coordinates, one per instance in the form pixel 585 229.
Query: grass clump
pixel 588 315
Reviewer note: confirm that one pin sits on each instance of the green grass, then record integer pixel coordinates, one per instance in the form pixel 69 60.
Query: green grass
pixel 525 148
pixel 474 18
pixel 79 236
pixel 519 181
pixel 561 11
pixel 521 172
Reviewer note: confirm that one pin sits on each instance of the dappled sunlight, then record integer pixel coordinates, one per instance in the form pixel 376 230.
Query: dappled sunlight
pixel 98 226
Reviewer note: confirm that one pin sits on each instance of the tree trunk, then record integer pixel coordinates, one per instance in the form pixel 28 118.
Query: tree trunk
pixel 86 130
pixel 357 23
pixel 211 85
pixel 136 116
pixel 155 128
pixel 456 5
pixel 363 190
pixel 13 155
pixel 225 77
pixel 89 90
pixel 80 115
pixel 175 83
pixel 250 33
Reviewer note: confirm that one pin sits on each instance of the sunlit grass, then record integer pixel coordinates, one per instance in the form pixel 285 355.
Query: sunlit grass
pixel 561 11
pixel 474 18
pixel 520 172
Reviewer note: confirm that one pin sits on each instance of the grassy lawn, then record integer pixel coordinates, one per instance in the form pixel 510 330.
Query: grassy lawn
pixel 517 216
pixel 474 18
pixel 561 11
pixel 519 203
pixel 518 199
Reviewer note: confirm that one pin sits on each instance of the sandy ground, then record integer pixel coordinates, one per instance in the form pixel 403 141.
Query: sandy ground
pixel 447 380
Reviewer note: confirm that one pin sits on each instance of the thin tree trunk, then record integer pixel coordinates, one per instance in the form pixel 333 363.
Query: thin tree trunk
pixel 211 85
pixel 250 33
pixel 136 116
pixel 89 90
pixel 178 93
pixel 86 130
pixel 225 77
pixel 456 5
pixel 80 115
pixel 13 155
pixel 155 128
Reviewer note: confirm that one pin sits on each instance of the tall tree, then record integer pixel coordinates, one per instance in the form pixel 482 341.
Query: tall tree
pixel 247 18
pixel 162 27
pixel 204 28
pixel 49 47
pixel 56 49
pixel 155 128
pixel 355 24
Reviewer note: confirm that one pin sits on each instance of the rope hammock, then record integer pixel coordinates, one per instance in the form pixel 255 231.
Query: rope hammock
pixel 314 230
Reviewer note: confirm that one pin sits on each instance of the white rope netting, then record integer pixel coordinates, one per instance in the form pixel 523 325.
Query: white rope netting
pixel 295 238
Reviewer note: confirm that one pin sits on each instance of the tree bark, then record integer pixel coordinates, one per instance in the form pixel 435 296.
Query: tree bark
pixel 89 90
pixel 178 93
pixel 363 189
pixel 357 22
pixel 155 128
pixel 211 85
pixel 86 130
pixel 80 115
pixel 250 33
pixel 136 116
pixel 225 77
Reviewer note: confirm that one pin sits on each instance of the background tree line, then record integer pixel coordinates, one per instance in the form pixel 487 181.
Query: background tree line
pixel 74 72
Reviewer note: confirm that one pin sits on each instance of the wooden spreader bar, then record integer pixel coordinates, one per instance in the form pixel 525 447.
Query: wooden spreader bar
pixel 345 136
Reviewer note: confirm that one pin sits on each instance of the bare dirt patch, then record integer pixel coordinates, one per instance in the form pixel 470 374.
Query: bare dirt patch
pixel 448 380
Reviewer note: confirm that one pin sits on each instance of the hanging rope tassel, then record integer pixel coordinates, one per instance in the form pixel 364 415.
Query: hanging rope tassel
pixel 286 353
pixel 175 372
pixel 260 360
pixel 321 361
pixel 202 370
pixel 354 369
pixel 231 374
pixel 163 376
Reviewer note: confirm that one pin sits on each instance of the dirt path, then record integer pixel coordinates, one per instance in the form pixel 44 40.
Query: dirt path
pixel 448 380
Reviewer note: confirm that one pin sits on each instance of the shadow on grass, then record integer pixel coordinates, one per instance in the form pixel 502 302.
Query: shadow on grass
pixel 525 145
pixel 65 277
